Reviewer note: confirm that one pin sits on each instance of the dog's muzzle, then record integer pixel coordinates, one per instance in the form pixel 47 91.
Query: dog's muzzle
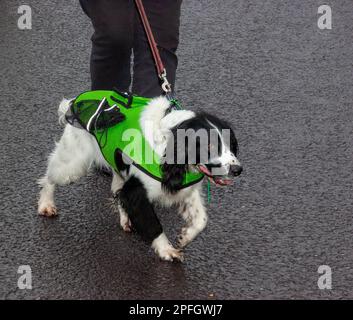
pixel 236 170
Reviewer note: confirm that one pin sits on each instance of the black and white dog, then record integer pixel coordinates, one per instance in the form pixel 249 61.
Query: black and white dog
pixel 136 192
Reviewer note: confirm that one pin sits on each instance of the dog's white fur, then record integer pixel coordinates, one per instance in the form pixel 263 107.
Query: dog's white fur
pixel 77 152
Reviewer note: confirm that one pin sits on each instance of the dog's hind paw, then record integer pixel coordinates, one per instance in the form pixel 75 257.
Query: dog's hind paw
pixel 48 210
pixel 126 226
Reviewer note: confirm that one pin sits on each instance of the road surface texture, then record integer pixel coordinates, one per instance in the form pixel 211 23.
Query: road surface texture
pixel 285 85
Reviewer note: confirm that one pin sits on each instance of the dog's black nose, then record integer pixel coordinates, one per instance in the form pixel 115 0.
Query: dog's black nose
pixel 236 170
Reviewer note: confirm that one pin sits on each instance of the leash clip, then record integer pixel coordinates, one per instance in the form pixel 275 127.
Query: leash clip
pixel 166 86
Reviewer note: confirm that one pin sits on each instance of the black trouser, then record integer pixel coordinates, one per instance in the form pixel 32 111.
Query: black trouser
pixel 117 30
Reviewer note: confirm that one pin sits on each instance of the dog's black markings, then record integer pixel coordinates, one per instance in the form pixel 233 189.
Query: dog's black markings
pixel 133 199
pixel 119 161
pixel 173 175
pixel 222 124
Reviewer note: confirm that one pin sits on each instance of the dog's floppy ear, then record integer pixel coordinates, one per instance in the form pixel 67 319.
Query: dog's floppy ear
pixel 222 124
pixel 172 176
pixel 173 172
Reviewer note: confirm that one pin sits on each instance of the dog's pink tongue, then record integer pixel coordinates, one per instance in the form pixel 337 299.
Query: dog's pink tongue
pixel 222 181
pixel 204 170
pixel 217 180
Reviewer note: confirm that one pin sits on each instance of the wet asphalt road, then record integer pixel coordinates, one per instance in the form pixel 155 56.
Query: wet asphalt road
pixel 287 88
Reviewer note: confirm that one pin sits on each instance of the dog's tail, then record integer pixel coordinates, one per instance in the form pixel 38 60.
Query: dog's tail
pixel 63 108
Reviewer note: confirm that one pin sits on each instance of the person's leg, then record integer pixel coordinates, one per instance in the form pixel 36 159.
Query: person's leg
pixel 113 23
pixel 164 18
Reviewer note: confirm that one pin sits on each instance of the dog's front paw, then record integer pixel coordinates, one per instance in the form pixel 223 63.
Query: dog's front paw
pixel 171 254
pixel 47 210
pixel 165 250
pixel 125 222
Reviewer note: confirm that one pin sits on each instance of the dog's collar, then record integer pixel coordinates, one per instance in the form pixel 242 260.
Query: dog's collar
pixel 174 105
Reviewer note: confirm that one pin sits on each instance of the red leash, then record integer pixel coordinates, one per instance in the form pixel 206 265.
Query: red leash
pixel 162 73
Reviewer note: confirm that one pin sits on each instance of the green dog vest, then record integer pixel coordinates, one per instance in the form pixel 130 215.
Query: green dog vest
pixel 109 125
